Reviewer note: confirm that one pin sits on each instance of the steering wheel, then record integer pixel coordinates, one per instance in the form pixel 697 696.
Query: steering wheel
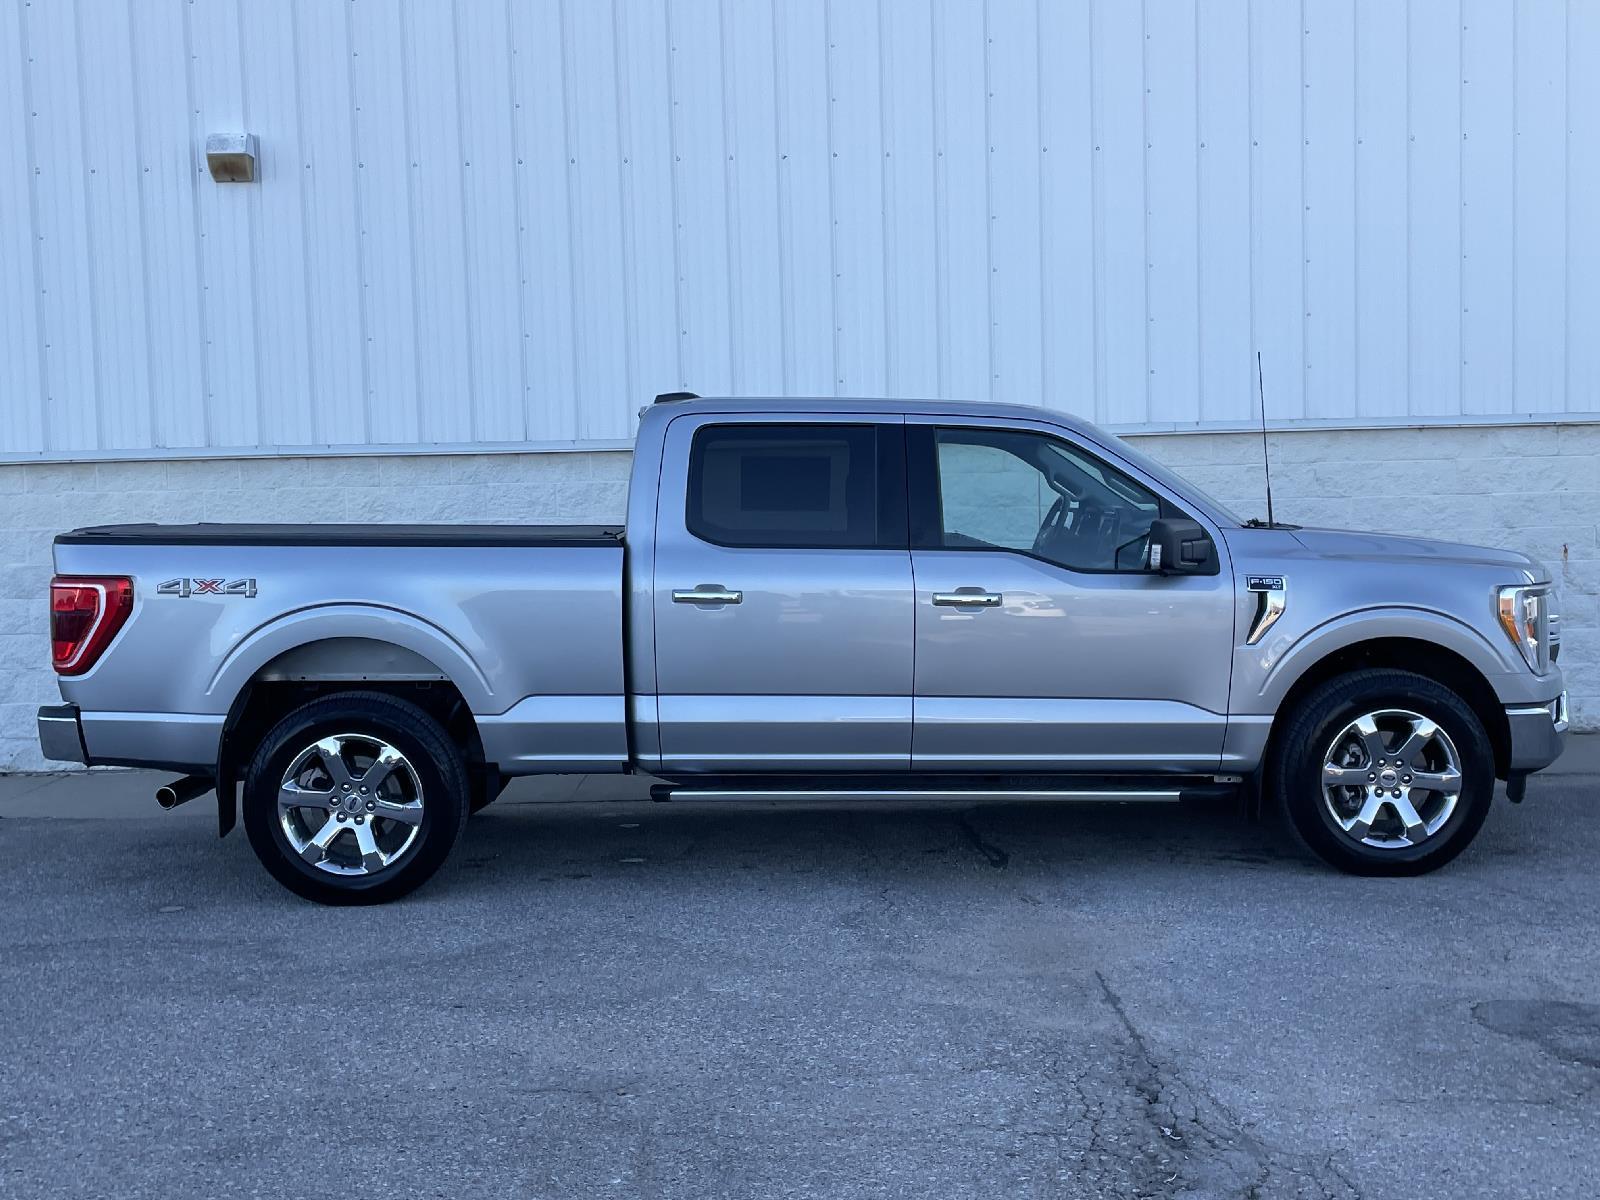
pixel 1049 527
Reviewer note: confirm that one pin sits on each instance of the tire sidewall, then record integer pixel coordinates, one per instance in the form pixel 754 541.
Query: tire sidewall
pixel 412 732
pixel 1332 707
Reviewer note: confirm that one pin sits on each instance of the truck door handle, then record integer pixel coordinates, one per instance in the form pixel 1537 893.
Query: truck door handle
pixel 967 599
pixel 707 593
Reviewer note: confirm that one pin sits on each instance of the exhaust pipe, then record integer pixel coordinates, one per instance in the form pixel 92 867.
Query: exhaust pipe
pixel 181 791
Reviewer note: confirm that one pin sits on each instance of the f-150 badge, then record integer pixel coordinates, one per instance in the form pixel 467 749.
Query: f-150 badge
pixel 207 587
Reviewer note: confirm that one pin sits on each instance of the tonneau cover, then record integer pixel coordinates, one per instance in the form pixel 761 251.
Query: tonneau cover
pixel 216 534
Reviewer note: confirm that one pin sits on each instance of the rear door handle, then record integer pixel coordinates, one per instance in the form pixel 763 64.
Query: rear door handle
pixel 967 598
pixel 707 593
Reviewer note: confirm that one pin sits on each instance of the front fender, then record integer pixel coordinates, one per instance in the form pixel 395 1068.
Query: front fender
pixel 1264 674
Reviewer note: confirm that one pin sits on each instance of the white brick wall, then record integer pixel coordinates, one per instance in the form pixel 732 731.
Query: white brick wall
pixel 1533 488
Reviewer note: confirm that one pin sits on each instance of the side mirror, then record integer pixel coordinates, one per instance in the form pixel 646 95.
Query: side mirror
pixel 1179 546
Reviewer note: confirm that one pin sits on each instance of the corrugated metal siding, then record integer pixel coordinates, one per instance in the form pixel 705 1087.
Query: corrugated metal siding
pixel 484 222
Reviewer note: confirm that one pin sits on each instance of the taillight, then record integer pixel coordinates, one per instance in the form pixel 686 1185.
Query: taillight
pixel 85 614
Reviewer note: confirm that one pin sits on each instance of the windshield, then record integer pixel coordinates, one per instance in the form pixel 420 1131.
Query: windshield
pixel 1173 480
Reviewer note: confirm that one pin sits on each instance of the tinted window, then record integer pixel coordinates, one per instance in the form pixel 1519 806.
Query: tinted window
pixel 1006 490
pixel 795 486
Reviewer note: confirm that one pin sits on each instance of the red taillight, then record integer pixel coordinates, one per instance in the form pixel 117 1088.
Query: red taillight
pixel 85 614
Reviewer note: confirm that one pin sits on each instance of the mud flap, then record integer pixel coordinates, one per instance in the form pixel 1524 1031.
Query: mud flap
pixel 227 807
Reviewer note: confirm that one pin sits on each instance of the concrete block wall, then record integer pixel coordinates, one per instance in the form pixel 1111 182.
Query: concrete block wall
pixel 1533 488
pixel 990 494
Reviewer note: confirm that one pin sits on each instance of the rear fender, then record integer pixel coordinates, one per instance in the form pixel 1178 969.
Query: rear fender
pixel 340 623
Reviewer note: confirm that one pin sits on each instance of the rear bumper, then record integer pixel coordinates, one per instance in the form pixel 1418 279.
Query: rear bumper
pixel 176 741
pixel 1538 734
pixel 61 733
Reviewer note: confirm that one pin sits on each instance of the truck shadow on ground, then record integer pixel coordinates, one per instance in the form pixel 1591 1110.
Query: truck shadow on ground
pixel 615 839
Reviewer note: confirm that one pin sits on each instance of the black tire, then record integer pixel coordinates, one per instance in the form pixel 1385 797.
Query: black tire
pixel 440 770
pixel 1296 759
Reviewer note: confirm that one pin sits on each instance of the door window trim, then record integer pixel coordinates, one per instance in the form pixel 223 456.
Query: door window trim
pixel 925 509
pixel 893 531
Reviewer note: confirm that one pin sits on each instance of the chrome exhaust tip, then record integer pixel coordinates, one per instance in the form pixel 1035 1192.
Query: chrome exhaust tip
pixel 181 791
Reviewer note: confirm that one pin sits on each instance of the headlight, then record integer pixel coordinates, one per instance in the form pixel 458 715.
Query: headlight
pixel 1525 616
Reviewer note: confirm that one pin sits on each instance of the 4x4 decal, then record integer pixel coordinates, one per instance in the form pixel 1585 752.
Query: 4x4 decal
pixel 207 587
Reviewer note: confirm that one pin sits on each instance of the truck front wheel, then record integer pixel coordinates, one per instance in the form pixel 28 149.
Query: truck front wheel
pixel 1383 772
pixel 355 798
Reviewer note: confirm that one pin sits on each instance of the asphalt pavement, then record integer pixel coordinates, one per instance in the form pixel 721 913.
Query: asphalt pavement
pixel 604 997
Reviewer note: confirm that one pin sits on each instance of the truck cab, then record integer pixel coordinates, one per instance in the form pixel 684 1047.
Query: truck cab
pixel 865 598
pixel 865 587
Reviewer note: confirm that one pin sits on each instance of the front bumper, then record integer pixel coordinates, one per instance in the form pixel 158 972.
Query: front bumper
pixel 1538 734
pixel 61 733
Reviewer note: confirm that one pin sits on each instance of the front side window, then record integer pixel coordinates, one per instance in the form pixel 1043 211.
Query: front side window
pixel 796 486
pixel 1011 490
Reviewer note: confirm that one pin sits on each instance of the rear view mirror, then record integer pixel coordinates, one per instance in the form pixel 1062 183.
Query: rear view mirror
pixel 1179 546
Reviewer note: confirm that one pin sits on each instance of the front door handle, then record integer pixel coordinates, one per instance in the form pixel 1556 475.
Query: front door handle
pixel 968 598
pixel 707 593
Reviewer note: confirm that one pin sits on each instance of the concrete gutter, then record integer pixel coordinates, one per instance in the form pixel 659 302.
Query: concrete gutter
pixel 1581 757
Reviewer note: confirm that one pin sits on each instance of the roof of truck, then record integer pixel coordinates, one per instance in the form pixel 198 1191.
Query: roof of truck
pixel 686 402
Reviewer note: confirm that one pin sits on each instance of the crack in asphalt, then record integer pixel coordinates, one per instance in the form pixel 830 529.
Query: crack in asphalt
pixel 1189 1144
pixel 996 857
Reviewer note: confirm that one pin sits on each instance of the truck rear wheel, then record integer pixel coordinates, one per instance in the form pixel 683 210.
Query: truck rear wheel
pixel 1383 772
pixel 355 798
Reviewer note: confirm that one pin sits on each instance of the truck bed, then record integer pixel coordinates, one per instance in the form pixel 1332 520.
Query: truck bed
pixel 217 534
pixel 524 621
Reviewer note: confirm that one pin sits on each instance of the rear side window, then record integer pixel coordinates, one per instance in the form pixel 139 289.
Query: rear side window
pixel 820 486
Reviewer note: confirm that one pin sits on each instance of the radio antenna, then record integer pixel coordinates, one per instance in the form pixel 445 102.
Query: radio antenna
pixel 1266 461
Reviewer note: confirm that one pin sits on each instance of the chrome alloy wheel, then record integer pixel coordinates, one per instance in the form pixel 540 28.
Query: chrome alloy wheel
pixel 350 804
pixel 1391 779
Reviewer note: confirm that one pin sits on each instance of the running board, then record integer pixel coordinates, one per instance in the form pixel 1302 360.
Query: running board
pixel 668 791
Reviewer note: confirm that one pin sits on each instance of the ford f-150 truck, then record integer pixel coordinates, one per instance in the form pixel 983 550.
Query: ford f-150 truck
pixel 813 598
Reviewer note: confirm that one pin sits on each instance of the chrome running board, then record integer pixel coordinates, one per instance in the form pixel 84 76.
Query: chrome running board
pixel 667 791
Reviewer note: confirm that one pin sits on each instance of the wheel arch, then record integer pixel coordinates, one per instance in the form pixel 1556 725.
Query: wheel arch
pixel 1428 658
pixel 323 638
pixel 308 670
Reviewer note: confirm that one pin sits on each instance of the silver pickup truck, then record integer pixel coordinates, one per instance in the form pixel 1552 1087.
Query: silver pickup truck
pixel 813 598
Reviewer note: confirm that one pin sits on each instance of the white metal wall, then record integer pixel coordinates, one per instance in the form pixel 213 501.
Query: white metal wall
pixel 483 222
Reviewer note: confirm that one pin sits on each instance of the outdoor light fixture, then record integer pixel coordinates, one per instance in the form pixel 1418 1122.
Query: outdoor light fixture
pixel 231 157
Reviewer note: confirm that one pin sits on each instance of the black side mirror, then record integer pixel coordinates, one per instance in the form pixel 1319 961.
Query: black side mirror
pixel 1179 546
